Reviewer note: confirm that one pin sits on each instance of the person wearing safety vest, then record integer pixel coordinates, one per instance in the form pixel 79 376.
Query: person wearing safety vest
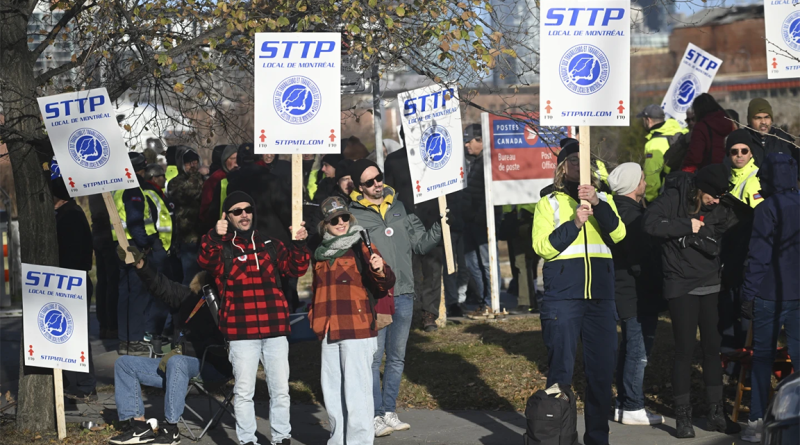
pixel 573 239
pixel 660 133
pixel 215 189
pixel 745 185
pixel 136 212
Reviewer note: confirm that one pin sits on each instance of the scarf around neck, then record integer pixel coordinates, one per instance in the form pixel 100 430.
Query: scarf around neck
pixel 333 247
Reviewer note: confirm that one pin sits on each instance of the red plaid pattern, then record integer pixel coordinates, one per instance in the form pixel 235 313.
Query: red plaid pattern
pixel 341 306
pixel 254 307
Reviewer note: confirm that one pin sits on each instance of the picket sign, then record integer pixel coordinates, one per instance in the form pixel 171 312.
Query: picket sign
pixel 586 157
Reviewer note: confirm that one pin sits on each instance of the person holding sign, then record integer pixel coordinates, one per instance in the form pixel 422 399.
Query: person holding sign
pixel 254 316
pixel 574 240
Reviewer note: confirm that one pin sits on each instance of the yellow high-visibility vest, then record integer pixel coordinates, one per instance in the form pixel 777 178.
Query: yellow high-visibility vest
pixel 149 226
pixel 164 221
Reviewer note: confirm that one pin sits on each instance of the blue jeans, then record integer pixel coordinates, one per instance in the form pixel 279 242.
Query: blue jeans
pixel 188 256
pixel 131 372
pixel 476 256
pixel 346 378
pixel 638 334
pixel 392 339
pixel 244 355
pixel 768 317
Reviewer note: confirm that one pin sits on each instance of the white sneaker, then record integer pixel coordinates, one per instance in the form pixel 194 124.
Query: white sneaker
pixel 394 423
pixel 752 433
pixel 639 417
pixel 381 428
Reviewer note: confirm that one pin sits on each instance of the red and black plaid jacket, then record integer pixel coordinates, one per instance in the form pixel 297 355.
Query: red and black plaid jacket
pixel 254 307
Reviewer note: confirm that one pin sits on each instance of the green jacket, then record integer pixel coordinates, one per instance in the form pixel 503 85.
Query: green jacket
pixel 396 234
pixel 658 144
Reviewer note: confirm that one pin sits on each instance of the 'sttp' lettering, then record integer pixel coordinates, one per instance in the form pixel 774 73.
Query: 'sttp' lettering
pixel 33 278
pixel 410 105
pixel 53 110
pixel 269 50
pixel 556 16
pixel 700 60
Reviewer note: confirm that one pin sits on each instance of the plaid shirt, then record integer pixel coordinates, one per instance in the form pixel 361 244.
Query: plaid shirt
pixel 254 307
pixel 340 306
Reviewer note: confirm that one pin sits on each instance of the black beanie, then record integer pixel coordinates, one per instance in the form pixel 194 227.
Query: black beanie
pixel 713 179
pixel 59 189
pixel 332 159
pixel 172 150
pixel 235 198
pixel 568 146
pixel 358 169
pixel 740 136
pixel 189 156
pixel 343 169
pixel 138 161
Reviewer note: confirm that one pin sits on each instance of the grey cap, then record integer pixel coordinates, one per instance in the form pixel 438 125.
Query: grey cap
pixel 652 111
pixel 153 170
pixel 472 131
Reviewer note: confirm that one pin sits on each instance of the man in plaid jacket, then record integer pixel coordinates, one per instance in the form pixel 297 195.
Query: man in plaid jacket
pixel 254 314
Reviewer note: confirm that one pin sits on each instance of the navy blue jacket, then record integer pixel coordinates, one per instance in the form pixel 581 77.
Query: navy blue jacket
pixel 134 215
pixel 772 271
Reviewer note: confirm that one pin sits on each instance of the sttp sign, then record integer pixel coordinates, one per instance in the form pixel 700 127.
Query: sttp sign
pixel 87 142
pixel 694 77
pixel 298 92
pixel 782 34
pixel 55 321
pixel 584 62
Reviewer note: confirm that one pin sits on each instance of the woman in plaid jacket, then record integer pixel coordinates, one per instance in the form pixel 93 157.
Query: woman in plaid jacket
pixel 347 278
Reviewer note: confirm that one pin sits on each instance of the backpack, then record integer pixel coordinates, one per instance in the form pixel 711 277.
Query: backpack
pixel 552 417
pixel 678 146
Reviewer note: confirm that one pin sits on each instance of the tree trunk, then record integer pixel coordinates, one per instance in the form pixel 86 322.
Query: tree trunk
pixel 37 227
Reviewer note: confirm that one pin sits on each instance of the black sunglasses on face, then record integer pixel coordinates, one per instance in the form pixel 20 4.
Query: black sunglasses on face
pixel 335 219
pixel 735 151
pixel 237 212
pixel 574 160
pixel 372 181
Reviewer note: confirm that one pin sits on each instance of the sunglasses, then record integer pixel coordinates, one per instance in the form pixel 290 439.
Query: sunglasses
pixel 735 151
pixel 335 220
pixel 372 181
pixel 574 160
pixel 237 212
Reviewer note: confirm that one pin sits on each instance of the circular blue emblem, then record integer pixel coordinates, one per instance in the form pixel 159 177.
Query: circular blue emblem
pixel 790 30
pixel 684 94
pixel 297 99
pixel 435 147
pixel 584 69
pixel 55 323
pixel 89 148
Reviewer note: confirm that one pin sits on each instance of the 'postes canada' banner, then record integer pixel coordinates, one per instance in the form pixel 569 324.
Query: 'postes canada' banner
pixel 693 78
pixel 523 161
pixel 87 142
pixel 298 92
pixel 782 32
pixel 431 119
pixel 584 62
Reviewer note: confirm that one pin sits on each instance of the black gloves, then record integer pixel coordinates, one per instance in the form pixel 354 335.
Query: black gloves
pixel 137 254
pixel 747 310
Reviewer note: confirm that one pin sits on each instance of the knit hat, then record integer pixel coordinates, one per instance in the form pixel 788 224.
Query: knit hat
pixel 137 160
pixel 740 136
pixel 625 178
pixel 568 146
pixel 227 152
pixel 235 198
pixel 343 169
pixel 332 159
pixel 472 132
pixel 246 154
pixel 758 105
pixel 190 155
pixel 713 179
pixel 358 169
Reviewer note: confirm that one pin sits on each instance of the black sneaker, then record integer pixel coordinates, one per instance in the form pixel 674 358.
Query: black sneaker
pixel 168 434
pixel 122 348
pixel 135 432
pixel 455 311
pixel 138 348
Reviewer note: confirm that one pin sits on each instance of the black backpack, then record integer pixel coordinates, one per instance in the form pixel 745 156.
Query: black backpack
pixel 678 146
pixel 552 419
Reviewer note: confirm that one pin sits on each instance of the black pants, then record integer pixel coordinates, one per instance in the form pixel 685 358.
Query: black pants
pixel 82 383
pixel 428 279
pixel 687 313
pixel 107 290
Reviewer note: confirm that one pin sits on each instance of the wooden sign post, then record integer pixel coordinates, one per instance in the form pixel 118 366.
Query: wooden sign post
pixel 58 384
pixel 586 157
pixel 116 223
pixel 448 254
pixel 297 193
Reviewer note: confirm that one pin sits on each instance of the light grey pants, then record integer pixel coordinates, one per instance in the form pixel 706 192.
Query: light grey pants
pixel 347 388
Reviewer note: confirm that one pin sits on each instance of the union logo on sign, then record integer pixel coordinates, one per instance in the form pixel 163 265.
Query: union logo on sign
pixel 435 147
pixel 584 69
pixel 790 30
pixel 55 323
pixel 297 100
pixel 685 93
pixel 89 148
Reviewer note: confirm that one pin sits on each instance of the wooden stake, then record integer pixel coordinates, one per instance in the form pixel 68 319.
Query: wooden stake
pixel 442 320
pixel 58 384
pixel 297 193
pixel 448 242
pixel 116 223
pixel 586 157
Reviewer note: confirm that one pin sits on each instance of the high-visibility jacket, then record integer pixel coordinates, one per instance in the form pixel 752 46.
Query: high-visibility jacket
pixel 223 193
pixel 658 144
pixel 601 170
pixel 311 185
pixel 172 171
pixel 746 185
pixel 149 225
pixel 578 262
pixel 164 221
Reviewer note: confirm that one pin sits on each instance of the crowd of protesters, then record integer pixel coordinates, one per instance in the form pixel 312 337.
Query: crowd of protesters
pixel 707 229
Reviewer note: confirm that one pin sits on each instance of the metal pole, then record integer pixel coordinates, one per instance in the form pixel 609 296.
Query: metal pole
pixel 377 120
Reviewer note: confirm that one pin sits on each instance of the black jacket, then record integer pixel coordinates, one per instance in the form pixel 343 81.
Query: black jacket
pixel 689 261
pixel 771 144
pixel 101 224
pixel 74 237
pixel 637 264
pixel 201 331
pixel 475 199
pixel 398 176
pixel 273 198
